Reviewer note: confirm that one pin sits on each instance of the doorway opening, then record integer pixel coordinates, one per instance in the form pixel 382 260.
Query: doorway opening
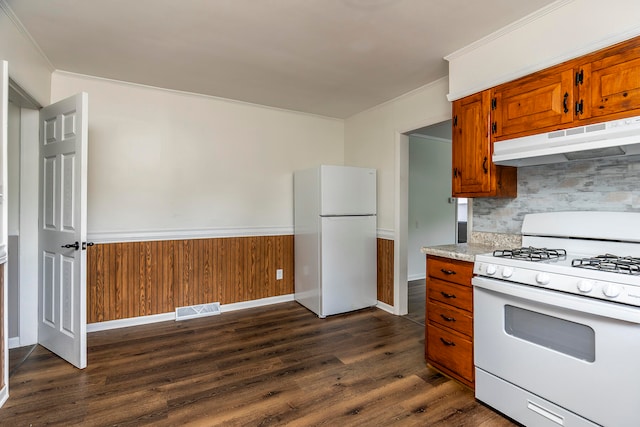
pixel 22 189
pixel 433 216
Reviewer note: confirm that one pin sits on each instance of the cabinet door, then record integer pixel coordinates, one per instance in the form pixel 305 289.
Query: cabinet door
pixel 610 85
pixel 474 174
pixel 534 104
pixel 471 156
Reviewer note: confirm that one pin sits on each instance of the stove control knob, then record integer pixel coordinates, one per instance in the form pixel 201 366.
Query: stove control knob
pixel 543 279
pixel 507 272
pixel 611 290
pixel 491 269
pixel 585 286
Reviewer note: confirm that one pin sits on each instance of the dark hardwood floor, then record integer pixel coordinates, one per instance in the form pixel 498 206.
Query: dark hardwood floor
pixel 275 365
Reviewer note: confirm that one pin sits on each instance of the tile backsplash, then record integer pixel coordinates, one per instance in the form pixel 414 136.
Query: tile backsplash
pixel 594 185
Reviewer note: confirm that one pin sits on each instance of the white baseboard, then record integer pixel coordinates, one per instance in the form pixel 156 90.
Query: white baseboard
pixel 131 321
pixel 386 307
pixel 255 303
pixel 14 342
pixel 416 277
pixel 4 395
pixel 163 317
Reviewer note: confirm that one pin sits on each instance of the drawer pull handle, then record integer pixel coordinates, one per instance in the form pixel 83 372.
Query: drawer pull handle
pixel 448 319
pixel 447 272
pixel 447 342
pixel 446 295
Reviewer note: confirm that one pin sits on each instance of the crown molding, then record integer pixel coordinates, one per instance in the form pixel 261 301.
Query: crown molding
pixel 508 29
pixel 4 6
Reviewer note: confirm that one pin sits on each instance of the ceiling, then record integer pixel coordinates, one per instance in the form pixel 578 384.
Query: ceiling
pixel 329 57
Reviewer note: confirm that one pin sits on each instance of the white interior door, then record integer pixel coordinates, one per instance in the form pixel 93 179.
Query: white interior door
pixel 62 229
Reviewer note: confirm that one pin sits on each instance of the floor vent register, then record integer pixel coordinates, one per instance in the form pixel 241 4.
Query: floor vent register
pixel 199 310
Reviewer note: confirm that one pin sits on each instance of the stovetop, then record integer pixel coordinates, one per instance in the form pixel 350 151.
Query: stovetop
pixel 530 253
pixel 605 262
pixel 571 252
pixel 557 271
pixel 610 263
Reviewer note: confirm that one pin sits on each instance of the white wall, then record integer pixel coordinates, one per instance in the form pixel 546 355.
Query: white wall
pixel 432 218
pixel 27 66
pixel 165 160
pixel 566 29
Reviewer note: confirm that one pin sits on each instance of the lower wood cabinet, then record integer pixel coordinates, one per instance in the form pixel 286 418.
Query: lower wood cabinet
pixel 449 318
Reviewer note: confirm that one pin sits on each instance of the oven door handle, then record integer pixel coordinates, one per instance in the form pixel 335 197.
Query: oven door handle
pixel 533 295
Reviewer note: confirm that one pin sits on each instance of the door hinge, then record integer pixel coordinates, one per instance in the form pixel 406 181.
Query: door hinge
pixel 494 127
pixel 579 77
pixel 494 103
pixel 579 107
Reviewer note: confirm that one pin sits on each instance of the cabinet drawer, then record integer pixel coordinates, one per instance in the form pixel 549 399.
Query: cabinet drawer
pixel 450 351
pixel 455 319
pixel 451 294
pixel 451 270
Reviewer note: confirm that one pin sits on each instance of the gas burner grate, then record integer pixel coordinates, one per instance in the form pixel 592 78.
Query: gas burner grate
pixel 530 253
pixel 611 263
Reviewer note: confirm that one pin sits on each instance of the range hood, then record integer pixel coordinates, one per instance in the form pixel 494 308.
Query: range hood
pixel 607 139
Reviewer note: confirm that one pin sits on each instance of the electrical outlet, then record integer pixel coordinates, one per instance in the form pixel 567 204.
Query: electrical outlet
pixel 279 274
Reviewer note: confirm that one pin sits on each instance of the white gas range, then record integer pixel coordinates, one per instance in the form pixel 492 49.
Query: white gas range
pixel 557 322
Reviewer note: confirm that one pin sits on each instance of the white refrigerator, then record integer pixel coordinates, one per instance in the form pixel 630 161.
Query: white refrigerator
pixel 335 239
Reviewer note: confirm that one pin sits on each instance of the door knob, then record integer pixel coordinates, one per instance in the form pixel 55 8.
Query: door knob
pixel 75 246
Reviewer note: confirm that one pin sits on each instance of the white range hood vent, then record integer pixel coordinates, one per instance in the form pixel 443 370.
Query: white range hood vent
pixel 608 139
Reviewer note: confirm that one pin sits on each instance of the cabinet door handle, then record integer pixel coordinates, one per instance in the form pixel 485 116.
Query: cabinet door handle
pixel 446 295
pixel 484 165
pixel 447 342
pixel 565 102
pixel 448 319
pixel 447 272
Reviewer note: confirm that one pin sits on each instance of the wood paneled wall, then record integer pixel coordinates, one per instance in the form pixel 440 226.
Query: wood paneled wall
pixel 385 271
pixel 143 278
pixel 134 279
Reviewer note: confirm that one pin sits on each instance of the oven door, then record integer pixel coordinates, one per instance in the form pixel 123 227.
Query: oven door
pixel 578 353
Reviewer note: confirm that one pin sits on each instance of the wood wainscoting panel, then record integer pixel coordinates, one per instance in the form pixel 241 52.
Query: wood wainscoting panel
pixel 385 271
pixel 132 279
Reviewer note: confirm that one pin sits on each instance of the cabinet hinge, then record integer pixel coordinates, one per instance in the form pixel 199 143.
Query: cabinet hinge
pixel 494 103
pixel 494 127
pixel 455 120
pixel 579 77
pixel 579 107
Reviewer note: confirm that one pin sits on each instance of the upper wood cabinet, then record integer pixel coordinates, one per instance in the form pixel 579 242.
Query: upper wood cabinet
pixel 608 83
pixel 535 102
pixel 474 174
pixel 601 86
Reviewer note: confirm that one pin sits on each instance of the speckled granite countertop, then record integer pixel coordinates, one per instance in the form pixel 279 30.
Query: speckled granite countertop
pixel 479 243
pixel 461 251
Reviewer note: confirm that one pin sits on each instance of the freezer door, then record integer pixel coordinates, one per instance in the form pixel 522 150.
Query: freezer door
pixel 348 267
pixel 347 190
